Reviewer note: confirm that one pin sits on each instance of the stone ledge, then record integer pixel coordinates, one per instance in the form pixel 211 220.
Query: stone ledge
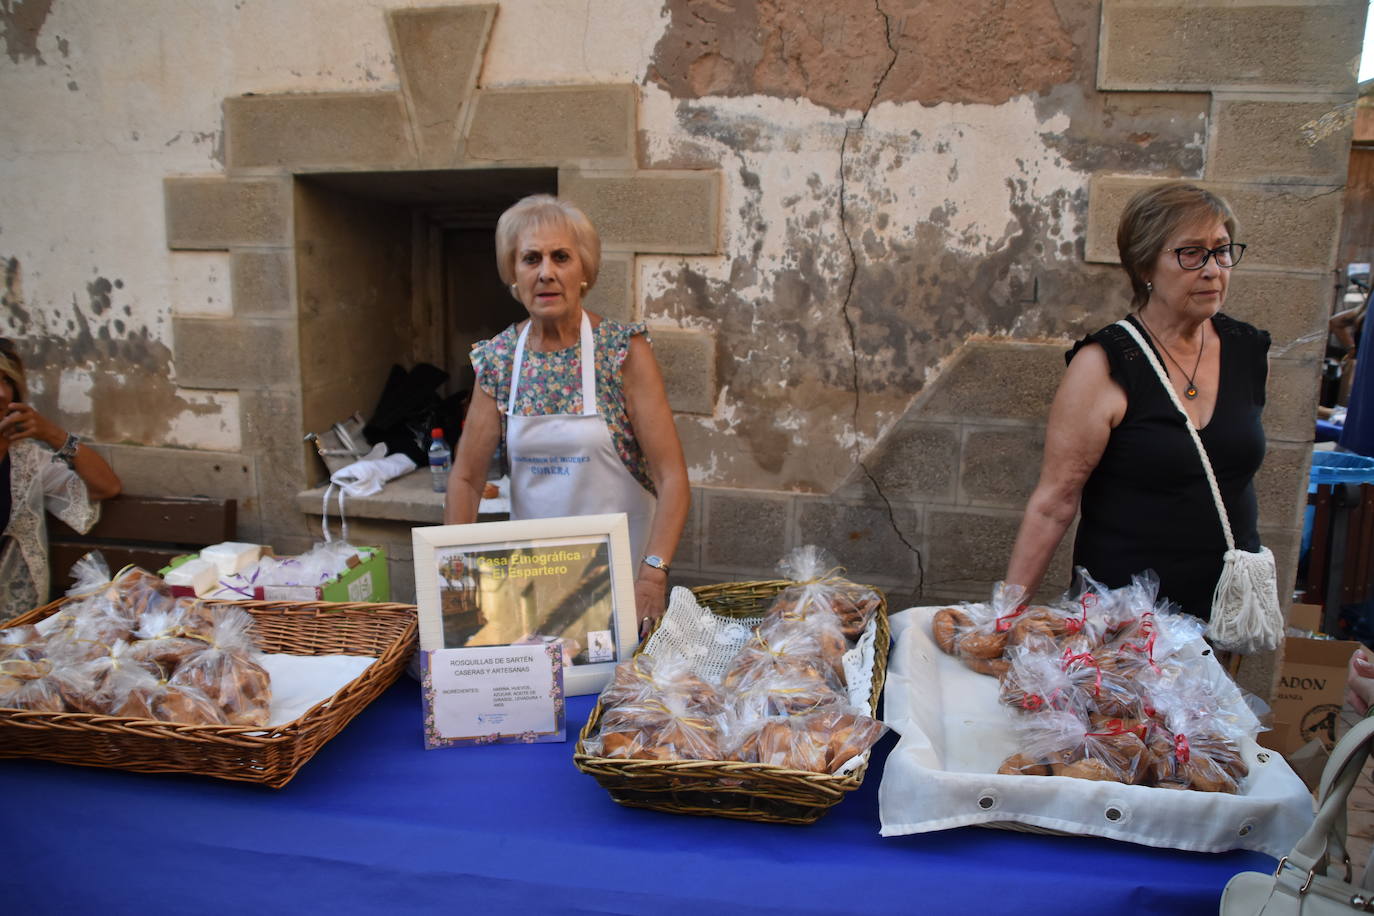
pixel 1289 227
pixel 591 125
pixel 211 214
pixel 649 212
pixel 317 130
pixel 152 471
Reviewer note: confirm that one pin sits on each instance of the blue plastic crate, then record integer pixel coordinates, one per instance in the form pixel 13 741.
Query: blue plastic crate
pixel 1341 467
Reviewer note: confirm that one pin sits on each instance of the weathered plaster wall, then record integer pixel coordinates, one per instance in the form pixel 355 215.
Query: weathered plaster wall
pixel 863 232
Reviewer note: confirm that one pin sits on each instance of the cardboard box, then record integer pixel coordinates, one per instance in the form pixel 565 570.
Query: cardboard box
pixel 1307 703
pixel 366 580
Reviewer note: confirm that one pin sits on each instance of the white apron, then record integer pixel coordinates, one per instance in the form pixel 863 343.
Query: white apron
pixel 566 464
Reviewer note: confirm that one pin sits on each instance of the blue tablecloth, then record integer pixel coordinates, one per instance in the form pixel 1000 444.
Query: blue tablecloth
pixel 375 824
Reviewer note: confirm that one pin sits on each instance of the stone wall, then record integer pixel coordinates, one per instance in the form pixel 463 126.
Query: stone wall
pixel 862 233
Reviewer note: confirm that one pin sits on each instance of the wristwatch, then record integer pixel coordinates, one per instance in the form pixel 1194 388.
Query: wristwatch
pixel 656 562
pixel 67 453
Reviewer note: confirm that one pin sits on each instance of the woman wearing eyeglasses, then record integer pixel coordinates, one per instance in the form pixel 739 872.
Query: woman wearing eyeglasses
pixel 1116 448
pixel 42 469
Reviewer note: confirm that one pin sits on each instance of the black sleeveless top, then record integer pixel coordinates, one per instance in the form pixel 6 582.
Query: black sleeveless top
pixel 1147 504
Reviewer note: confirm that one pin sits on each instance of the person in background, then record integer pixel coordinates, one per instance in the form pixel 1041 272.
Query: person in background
pixel 612 430
pixel 1117 448
pixel 1357 435
pixel 43 469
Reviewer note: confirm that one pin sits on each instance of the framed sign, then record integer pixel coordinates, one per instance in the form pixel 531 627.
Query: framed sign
pixel 531 582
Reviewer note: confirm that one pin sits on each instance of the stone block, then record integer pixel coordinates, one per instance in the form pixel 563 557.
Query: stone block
pixel 235 353
pixel 649 212
pixel 968 553
pixel 272 428
pixel 438 56
pixel 1290 408
pixel 1000 466
pixel 215 213
pixel 313 131
pixel 687 359
pixel 1288 141
pixel 1209 45
pixel 1288 306
pixel 148 471
pixel 1292 227
pixel 743 532
pixel 1281 485
pixel 260 283
pixel 614 293
pixel 914 462
pixel 688 555
pixel 873 545
pixel 997 380
pixel 554 125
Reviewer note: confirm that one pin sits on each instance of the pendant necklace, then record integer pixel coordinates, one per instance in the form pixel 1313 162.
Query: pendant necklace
pixel 1191 391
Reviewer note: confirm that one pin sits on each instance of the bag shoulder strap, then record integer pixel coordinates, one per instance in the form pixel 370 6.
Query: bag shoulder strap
pixel 1342 770
pixel 1192 431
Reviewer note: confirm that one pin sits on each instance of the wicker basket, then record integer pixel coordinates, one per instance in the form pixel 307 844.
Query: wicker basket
pixel 748 791
pixel 269 756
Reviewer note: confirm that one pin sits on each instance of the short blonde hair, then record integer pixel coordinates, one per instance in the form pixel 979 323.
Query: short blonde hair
pixel 12 368
pixel 1155 214
pixel 546 210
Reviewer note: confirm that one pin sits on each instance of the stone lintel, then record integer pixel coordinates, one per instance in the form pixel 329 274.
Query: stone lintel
pixel 439 55
pixel 593 126
pixel 649 212
pixel 312 131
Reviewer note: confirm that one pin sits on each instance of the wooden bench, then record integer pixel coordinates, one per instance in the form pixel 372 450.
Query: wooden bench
pixel 146 531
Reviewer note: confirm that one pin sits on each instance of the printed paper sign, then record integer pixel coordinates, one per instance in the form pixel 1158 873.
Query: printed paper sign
pixel 493 695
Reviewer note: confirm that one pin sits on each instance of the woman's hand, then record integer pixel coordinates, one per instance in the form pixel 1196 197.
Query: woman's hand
pixel 1359 683
pixel 651 597
pixel 22 421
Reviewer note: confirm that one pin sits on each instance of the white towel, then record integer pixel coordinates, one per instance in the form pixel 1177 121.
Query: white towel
pixel 366 476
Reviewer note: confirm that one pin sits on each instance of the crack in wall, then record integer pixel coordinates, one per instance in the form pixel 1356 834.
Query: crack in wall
pixel 849 130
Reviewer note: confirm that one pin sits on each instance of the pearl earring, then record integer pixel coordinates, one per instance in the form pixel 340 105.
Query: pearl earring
pixel 584 286
pixel 1149 287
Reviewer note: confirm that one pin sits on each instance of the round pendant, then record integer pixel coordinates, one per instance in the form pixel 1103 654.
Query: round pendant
pixel 1190 392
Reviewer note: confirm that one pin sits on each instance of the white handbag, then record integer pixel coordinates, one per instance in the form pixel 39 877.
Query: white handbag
pixel 1314 879
pixel 1246 616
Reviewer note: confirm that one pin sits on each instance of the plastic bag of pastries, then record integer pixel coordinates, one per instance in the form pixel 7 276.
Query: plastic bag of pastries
pixel 1203 730
pixel 170 635
pixel 785 693
pixel 1058 743
pixel 38 686
pixel 228 670
pixel 22 642
pixel 820 742
pixel 665 728
pixel 788 650
pixel 647 676
pixel 819 587
pixel 137 694
pixel 820 624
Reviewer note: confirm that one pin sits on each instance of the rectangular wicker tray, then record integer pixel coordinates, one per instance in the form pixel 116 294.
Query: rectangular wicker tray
pixel 269 756
pixel 747 791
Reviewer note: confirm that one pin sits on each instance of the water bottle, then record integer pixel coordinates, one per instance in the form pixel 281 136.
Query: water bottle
pixel 439 460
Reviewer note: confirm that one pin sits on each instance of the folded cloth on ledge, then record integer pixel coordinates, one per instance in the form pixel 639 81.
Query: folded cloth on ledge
pixel 366 476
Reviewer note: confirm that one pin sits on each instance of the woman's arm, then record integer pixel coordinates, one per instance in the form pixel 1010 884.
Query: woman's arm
pixel 1087 406
pixel 481 435
pixel 22 421
pixel 646 401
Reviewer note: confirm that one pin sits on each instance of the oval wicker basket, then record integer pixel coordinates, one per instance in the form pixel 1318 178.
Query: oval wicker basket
pixel 270 756
pixel 722 788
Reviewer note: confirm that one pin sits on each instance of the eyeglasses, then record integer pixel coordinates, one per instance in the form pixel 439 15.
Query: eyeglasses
pixel 1194 257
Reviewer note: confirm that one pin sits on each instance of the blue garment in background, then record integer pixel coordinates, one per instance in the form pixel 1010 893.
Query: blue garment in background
pixel 1358 434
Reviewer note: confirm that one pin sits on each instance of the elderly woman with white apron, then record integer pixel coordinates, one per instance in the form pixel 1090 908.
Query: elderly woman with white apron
pixel 588 428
